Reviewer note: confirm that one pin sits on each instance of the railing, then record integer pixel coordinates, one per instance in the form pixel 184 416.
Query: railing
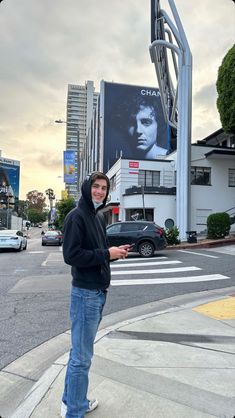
pixel 232 215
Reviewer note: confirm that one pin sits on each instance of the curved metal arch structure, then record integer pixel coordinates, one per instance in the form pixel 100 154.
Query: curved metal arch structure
pixel 172 58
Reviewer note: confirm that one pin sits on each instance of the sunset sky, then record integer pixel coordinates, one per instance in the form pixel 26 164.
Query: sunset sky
pixel 47 44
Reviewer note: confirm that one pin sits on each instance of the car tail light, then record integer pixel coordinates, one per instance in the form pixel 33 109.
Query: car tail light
pixel 14 238
pixel 160 231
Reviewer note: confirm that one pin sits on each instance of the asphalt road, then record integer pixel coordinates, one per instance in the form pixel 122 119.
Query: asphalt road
pixel 35 287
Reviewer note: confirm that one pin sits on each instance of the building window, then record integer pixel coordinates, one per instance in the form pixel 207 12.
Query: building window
pixel 149 178
pixel 113 183
pixel 137 214
pixel 231 177
pixel 201 176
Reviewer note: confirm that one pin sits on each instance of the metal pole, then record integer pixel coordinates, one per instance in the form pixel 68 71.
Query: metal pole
pixel 142 187
pixel 7 211
pixel 184 110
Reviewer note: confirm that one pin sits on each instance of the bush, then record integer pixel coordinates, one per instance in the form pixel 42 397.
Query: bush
pixel 172 235
pixel 218 225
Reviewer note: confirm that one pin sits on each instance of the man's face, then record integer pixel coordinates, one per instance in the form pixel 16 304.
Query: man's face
pixel 99 190
pixel 144 128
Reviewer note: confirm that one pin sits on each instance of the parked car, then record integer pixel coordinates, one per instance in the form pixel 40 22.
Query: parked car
pixel 52 238
pixel 146 237
pixel 12 238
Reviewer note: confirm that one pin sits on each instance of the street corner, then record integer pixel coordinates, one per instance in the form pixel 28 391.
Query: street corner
pixel 219 309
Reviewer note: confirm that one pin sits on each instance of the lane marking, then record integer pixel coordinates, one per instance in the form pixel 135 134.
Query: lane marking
pixel 158 271
pixel 52 258
pixel 152 263
pixel 187 279
pixel 35 252
pixel 204 255
pixel 44 263
pixel 227 249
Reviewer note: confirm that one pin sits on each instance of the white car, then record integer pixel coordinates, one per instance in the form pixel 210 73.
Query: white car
pixel 12 238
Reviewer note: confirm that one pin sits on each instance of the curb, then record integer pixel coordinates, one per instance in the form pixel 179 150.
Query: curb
pixel 206 244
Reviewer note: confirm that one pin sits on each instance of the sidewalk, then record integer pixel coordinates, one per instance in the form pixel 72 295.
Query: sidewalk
pixel 203 242
pixel 177 360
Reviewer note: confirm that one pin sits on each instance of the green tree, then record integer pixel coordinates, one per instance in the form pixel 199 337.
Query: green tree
pixel 63 207
pixel 226 91
pixel 36 200
pixel 36 215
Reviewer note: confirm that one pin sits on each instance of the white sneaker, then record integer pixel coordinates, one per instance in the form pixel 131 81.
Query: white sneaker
pixel 92 405
pixel 63 410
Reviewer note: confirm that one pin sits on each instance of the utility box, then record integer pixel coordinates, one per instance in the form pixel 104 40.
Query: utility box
pixel 192 237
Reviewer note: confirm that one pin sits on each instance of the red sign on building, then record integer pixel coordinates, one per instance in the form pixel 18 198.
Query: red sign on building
pixel 133 164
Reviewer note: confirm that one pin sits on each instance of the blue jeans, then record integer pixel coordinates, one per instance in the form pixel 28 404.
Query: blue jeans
pixel 85 314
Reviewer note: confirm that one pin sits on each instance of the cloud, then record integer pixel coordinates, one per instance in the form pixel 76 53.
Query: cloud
pixel 48 44
pixel 206 96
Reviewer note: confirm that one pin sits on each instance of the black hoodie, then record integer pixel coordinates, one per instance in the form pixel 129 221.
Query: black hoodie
pixel 85 244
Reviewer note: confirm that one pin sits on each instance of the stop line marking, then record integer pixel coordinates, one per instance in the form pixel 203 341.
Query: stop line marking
pixel 158 271
pixel 188 279
pixel 204 255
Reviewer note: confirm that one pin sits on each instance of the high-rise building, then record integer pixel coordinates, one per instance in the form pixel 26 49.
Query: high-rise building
pixel 81 100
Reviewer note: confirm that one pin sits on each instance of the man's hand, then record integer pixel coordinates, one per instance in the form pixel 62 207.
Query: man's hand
pixel 125 247
pixel 118 252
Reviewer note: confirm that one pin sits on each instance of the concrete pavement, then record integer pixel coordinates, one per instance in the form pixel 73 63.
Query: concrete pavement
pixel 177 360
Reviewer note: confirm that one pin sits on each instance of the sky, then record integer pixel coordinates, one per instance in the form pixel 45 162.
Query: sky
pixel 47 44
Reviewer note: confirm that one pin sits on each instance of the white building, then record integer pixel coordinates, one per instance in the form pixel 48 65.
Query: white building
pixel 81 100
pixel 147 188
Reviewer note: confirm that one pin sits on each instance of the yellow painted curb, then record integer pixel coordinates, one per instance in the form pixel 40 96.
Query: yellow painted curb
pixel 220 309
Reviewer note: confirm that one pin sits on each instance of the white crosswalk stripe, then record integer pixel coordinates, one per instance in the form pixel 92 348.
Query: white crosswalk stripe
pixel 140 260
pixel 151 263
pixel 154 271
pixel 136 267
pixel 187 279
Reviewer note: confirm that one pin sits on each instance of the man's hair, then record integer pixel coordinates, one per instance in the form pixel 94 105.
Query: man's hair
pixel 97 175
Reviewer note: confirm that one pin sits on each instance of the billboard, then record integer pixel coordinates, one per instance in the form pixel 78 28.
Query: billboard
pixel 134 124
pixel 9 183
pixel 69 167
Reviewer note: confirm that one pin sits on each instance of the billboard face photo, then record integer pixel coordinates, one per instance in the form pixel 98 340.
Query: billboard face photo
pixel 134 124
pixel 9 183
pixel 69 167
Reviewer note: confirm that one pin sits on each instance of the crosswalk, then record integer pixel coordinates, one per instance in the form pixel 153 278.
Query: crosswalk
pixel 125 272
pixel 150 271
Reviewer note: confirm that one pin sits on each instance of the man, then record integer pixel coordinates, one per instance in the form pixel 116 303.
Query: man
pixel 143 133
pixel 85 249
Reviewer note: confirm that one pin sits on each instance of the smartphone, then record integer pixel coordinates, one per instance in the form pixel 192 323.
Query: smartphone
pixel 131 247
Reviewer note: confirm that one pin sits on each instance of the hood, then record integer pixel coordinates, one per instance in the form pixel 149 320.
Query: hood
pixel 86 191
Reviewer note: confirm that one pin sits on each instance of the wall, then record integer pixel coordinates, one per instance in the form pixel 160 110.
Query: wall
pixel 218 197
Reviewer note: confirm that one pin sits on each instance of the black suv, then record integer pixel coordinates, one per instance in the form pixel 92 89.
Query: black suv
pixel 147 237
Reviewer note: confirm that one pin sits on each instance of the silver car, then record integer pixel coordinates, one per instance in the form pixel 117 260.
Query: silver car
pixel 13 238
